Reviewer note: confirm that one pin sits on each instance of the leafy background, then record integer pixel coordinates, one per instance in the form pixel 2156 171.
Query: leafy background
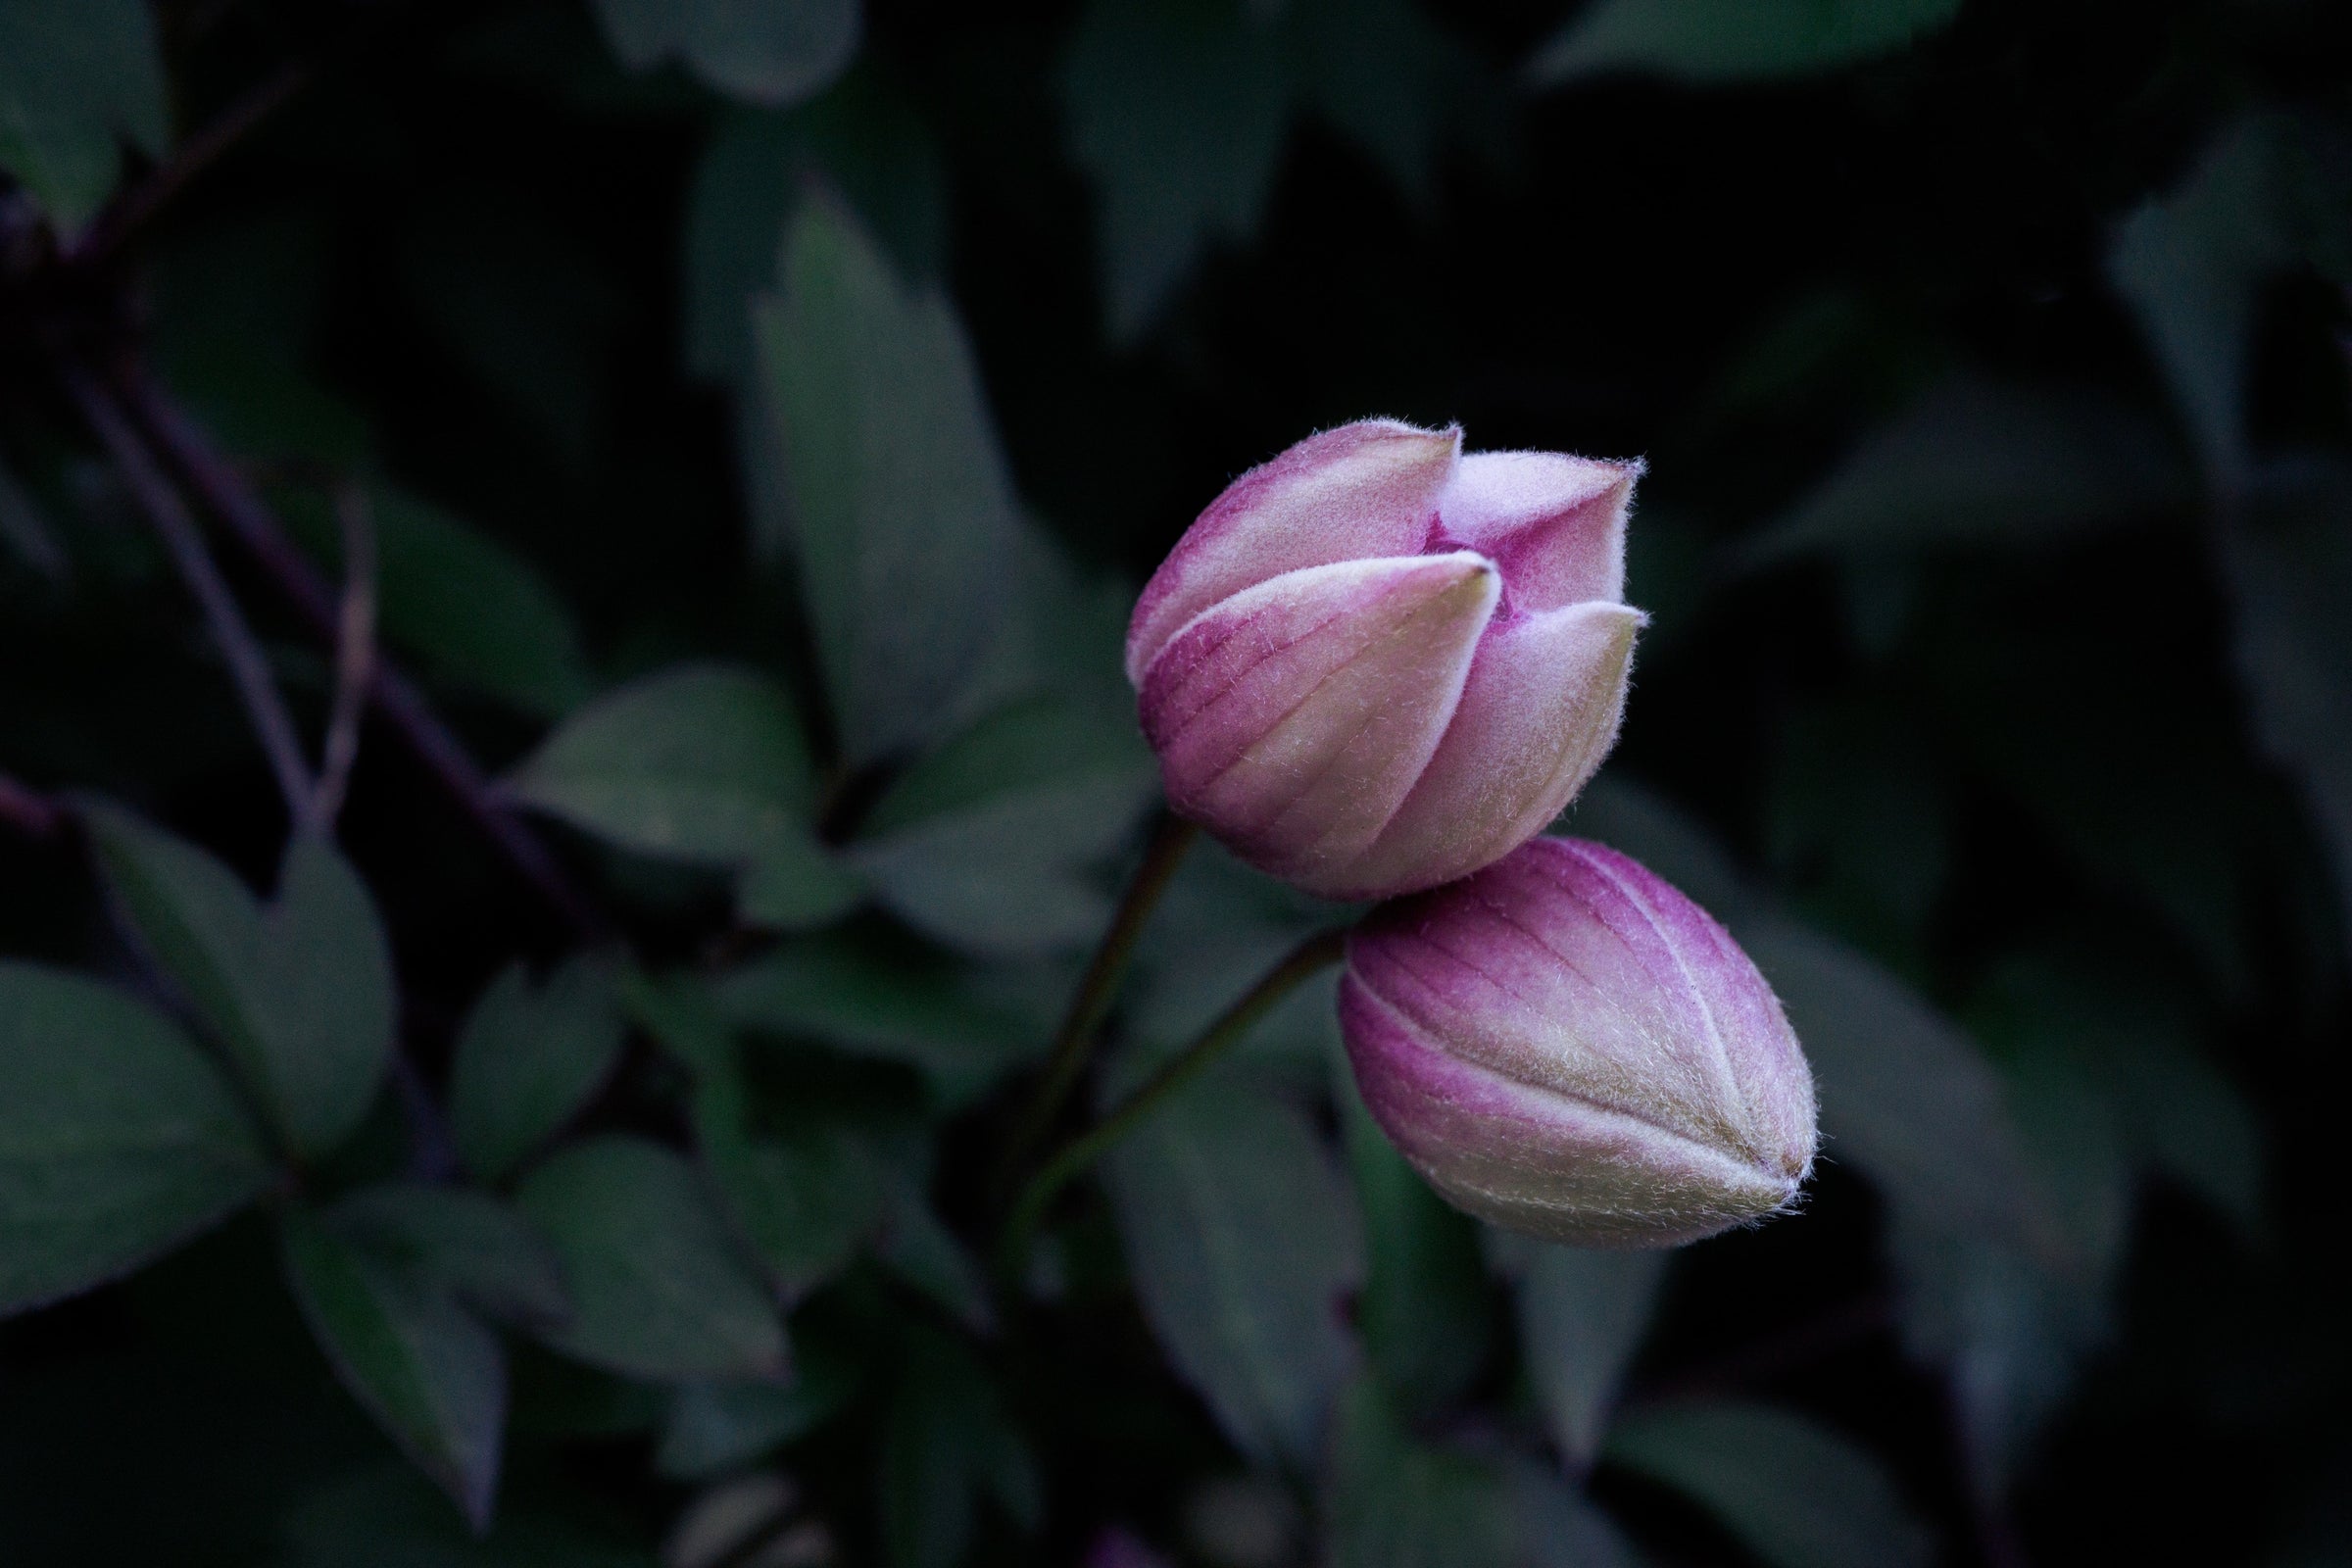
pixel 764 411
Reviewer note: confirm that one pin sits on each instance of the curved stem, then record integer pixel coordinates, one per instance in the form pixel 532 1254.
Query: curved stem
pixel 1303 961
pixel 1096 989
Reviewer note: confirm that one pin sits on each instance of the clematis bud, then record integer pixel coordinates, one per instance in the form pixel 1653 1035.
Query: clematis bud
pixel 1567 1047
pixel 1375 665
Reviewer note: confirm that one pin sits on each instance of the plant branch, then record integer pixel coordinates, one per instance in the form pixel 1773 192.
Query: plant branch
pixel 137 206
pixel 1303 963
pixel 355 654
pixel 225 491
pixel 168 515
pixel 1096 989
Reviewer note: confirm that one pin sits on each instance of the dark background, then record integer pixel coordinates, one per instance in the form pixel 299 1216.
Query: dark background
pixel 1999 713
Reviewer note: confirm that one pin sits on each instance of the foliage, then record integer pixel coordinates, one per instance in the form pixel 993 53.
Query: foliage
pixel 702 456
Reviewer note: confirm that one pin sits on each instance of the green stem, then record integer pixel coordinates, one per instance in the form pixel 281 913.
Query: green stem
pixel 1315 953
pixel 1096 989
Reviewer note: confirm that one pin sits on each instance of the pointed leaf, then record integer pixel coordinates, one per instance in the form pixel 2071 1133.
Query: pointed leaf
pixel 656 1288
pixel 1797 1494
pixel 1245 1244
pixel 299 992
pixel 903 513
pixel 1582 1316
pixel 432 1377
pixel 76 76
pixel 702 763
pixel 777 51
pixel 460 1241
pixel 119 1140
pixel 715 1427
pixel 528 1058
pixel 1734 40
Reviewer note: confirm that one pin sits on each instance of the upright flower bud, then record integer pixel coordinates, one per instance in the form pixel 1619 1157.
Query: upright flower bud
pixel 1566 1046
pixel 1375 665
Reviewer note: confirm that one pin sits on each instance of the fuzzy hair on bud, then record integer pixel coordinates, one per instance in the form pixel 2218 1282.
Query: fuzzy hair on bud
pixel 1375 665
pixel 1567 1047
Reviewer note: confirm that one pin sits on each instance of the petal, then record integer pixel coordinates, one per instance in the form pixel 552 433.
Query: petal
pixel 1292 719
pixel 1537 1159
pixel 1554 523
pixel 1537 715
pixel 1363 490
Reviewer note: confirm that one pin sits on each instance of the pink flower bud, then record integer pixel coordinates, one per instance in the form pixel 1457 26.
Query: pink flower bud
pixel 1375 665
pixel 1566 1046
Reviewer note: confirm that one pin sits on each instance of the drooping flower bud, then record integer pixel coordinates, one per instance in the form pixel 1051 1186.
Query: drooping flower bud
pixel 1375 665
pixel 1567 1047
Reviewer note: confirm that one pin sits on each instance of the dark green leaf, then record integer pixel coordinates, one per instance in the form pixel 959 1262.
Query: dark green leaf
pixel 1582 1316
pixel 1425 1315
pixel 1978 463
pixel 947 1441
pixel 916 1246
pixel 1244 1244
pixel 528 1058
pixel 1796 1494
pixel 434 1379
pixel 118 1138
pixel 715 1427
pixel 1734 40
pixel 986 843
pixel 902 516
pixel 1178 109
pixel 805 1197
pixel 300 992
pixel 74 76
pixel 460 1241
pixel 2190 264
pixel 776 52
pixel 941 1019
pixel 1396 1503
pixel 701 764
pixel 658 1289
pixel 476 614
pixel 2291 569
pixel 863 137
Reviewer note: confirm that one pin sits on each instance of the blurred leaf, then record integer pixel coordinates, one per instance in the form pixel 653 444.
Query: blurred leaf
pixel 702 763
pixel 715 1427
pixel 300 991
pixel 658 1289
pixel 1395 1503
pixel 118 1138
pixel 2192 265
pixel 916 1245
pixel 433 1378
pixel 1177 109
pixel 1796 1494
pixel 1905 1095
pixel 1245 1243
pixel 863 139
pixel 903 513
pixel 767 51
pixel 24 529
pixel 528 1058
pixel 1563 1527
pixel 1582 1316
pixel 387 1519
pixel 460 1241
pixel 1424 1312
pixel 936 1017
pixel 74 75
pixel 985 844
pixel 1861 819
pixel 945 1442
pixel 1975 462
pixel 2290 570
pixel 805 1197
pixel 1732 40
pixel 477 615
